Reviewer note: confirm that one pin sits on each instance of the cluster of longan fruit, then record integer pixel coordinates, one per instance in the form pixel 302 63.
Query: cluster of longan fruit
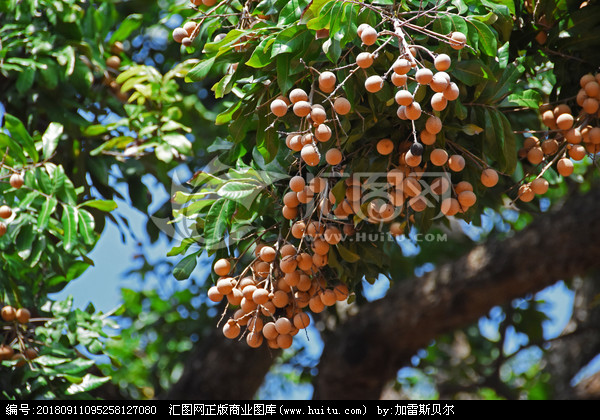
pixel 16 319
pixel 572 136
pixel 312 140
pixel 16 181
pixel 271 294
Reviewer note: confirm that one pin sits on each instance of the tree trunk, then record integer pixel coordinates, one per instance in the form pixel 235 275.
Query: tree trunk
pixel 366 352
pixel 222 369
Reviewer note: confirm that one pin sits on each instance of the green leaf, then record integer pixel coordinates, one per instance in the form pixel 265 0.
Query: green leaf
pixel 104 205
pixel 234 190
pixel 487 41
pixel 346 254
pixel 69 221
pixel 130 24
pixel 529 98
pixel 184 268
pixel 25 80
pixel 470 72
pixel 50 139
pixel 20 134
pixel 87 383
pixel 216 223
pixel 45 212
pixel 86 226
pixel 200 71
pixel 261 56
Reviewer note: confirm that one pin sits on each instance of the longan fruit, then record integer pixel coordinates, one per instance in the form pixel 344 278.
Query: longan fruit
pixel 30 353
pixel 279 108
pixel 399 79
pixel 438 157
pixel 179 34
pixel 332 235
pixel 577 152
pixel 433 124
pixel 565 121
pixel 8 313
pixel 413 111
pixel 592 89
pixel 297 183
pixel 549 119
pixel 318 114
pixel 225 285
pixel 320 247
pixel 269 331
pixel 235 297
pixel 296 143
pixel 456 163
pixel 323 133
pixel 283 325
pixel 452 92
pixel 231 329
pixel 439 102
pixel 412 160
pixel 440 185
pixel 333 156
pixel 16 180
pixel 564 166
pixel 573 136
pixel 348 229
pixel 253 339
pixel 114 61
pixel 539 186
pixel 297 95
pixel 209 3
pixel 6 352
pixel 401 66
pixel 5 212
pixel 267 254
pixel 531 142
pixel 439 83
pixel 442 62
pixel 401 112
pixel 341 106
pixel 411 186
pixel 341 292
pixel 361 28
pixel 288 264
pixel 467 198
pixel 260 296
pixel 364 60
pixel 190 27
pixel 23 315
pixel 328 297
pixel 590 105
pixel 526 194
pixel 458 40
pixel 316 305
pixel 535 155
pixel 284 341
pixel 585 79
pixel 374 84
pixel 222 267
pixel 368 36
pixel 214 295
pixel 290 199
pixel 310 155
pixel 450 206
pixel 298 229
pixel 404 97
pixel 301 320
pixel 489 177
pixel 385 146
pixel 463 186
pixel 327 81
pixel 301 108
pixel 423 76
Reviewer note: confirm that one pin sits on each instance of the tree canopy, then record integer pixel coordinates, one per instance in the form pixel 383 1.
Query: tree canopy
pixel 331 144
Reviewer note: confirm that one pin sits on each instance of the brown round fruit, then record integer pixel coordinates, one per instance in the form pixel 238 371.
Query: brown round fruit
pixel 5 212
pixel 442 62
pixel 341 106
pixel 279 108
pixel 9 313
pixel 368 36
pixel 327 81
pixel 222 267
pixel 489 177
pixel 16 181
pixel 458 40
pixel 374 84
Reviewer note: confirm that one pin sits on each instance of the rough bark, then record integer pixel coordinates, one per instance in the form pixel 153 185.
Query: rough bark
pixel 222 369
pixel 366 352
pixel 578 343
